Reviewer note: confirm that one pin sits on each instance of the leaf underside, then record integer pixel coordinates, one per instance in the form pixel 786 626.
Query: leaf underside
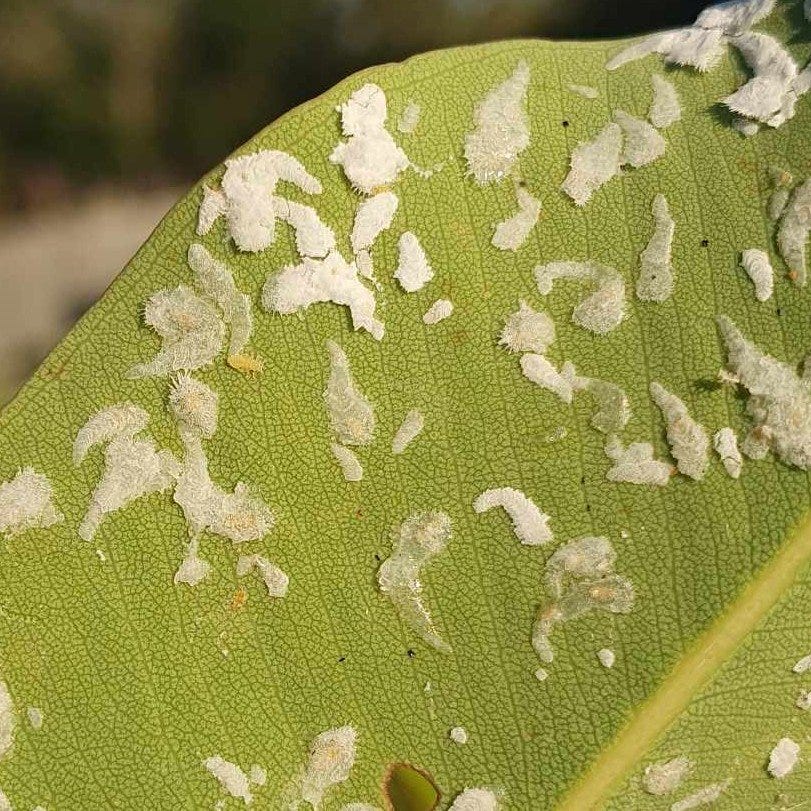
pixel 140 680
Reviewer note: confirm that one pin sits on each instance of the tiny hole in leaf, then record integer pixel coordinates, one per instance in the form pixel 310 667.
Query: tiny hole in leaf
pixel 408 788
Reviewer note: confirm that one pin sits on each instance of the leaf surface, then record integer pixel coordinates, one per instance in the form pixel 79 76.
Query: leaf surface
pixel 140 680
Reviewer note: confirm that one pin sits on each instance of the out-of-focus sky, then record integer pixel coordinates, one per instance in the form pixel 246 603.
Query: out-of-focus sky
pixel 109 108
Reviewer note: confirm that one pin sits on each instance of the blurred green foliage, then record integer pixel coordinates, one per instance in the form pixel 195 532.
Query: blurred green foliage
pixel 147 91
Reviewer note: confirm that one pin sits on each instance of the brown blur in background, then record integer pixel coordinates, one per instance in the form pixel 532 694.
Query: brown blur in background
pixel 110 108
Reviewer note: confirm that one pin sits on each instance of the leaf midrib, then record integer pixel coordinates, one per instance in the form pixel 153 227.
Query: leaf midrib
pixel 700 662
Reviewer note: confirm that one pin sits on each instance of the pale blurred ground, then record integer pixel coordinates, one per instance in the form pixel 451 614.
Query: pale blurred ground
pixel 56 264
pixel 110 108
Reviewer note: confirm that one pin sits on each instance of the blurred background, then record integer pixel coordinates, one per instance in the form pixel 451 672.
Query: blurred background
pixel 110 108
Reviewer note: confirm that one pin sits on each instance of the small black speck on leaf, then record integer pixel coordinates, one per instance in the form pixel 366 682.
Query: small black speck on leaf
pixel 410 653
pixel 588 508
pixel 341 659
pixel 565 123
pixel 377 557
pixel 779 311
pixel 705 243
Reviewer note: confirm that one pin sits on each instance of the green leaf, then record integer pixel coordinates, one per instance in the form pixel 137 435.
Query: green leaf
pixel 140 680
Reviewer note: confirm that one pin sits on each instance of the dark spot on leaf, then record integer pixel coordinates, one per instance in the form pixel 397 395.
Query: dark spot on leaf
pixel 409 788
pixel 410 653
pixel 705 243
pixel 707 384
pixel 779 311
pixel 588 508
pixel 377 557
pixel 582 480
pixel 341 659
pixel 52 373
pixel 565 123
